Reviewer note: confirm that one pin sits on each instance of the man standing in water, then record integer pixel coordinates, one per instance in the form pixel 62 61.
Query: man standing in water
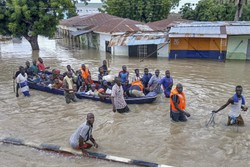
pixel 237 104
pixel 117 97
pixel 154 83
pixel 79 138
pixel 178 104
pixel 21 79
pixel 69 91
pixel 167 83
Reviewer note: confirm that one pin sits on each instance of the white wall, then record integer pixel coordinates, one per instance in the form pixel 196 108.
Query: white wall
pixel 163 52
pixel 120 50
pixel 103 39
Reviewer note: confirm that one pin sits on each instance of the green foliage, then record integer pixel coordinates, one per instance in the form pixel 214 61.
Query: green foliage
pixel 32 17
pixel 213 10
pixel 140 10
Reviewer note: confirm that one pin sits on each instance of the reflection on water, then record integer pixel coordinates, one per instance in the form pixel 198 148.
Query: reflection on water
pixel 145 133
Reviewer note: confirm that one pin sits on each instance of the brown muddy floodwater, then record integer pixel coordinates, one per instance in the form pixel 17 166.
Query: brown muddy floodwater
pixel 145 133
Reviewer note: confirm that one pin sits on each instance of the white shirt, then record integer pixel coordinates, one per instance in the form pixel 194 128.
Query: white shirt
pixel 84 130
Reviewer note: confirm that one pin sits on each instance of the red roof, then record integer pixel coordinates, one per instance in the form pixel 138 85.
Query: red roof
pixel 102 22
pixel 166 23
pixel 87 20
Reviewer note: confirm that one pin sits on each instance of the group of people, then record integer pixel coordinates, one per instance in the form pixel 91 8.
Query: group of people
pixel 81 81
pixel 22 75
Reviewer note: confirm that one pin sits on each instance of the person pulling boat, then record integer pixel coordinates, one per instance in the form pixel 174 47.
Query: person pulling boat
pixel 237 102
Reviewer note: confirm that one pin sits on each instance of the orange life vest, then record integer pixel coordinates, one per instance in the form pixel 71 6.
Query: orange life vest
pixel 85 73
pixel 182 100
pixel 138 83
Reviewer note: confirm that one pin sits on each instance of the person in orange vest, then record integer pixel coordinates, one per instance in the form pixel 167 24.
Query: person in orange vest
pixel 178 104
pixel 86 75
pixel 136 89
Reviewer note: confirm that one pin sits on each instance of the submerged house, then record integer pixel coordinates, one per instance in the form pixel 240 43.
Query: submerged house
pixel 238 41
pixel 204 40
pixel 105 33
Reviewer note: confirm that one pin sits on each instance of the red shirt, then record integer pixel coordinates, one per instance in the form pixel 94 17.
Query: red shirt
pixel 41 67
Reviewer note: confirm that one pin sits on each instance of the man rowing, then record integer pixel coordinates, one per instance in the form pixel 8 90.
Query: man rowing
pixel 79 138
pixel 237 102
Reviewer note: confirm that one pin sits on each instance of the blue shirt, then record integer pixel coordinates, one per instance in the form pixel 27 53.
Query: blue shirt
pixel 145 79
pixel 123 76
pixel 167 83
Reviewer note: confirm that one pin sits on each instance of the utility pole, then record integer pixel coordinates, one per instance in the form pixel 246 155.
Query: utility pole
pixel 239 8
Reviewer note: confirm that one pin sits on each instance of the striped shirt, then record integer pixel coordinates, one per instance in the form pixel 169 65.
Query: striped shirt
pixel 85 130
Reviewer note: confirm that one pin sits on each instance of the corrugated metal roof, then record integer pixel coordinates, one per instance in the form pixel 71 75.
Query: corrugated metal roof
pixel 138 39
pixel 238 30
pixel 195 30
pixel 76 33
pixel 122 25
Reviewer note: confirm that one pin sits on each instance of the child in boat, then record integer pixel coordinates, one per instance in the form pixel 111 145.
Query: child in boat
pixel 83 88
pixel 57 84
pixel 105 90
pixel 92 91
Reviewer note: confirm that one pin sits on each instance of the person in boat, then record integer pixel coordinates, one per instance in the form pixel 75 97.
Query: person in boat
pixel 137 75
pixel 93 91
pixel 14 78
pixel 123 74
pixel 237 102
pixel 154 83
pixel 71 70
pixel 145 79
pixel 101 74
pixel 34 68
pixel 117 97
pixel 78 140
pixel 79 79
pixel 40 65
pixel 86 75
pixel 105 67
pixel 105 90
pixel 136 89
pixel 126 86
pixel 21 79
pixel 167 83
pixel 69 91
pixel 57 84
pixel 178 104
pixel 28 69
pixel 43 80
pixel 55 74
pixel 83 88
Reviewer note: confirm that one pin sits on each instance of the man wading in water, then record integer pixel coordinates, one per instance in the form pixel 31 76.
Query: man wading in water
pixel 84 133
pixel 117 97
pixel 237 104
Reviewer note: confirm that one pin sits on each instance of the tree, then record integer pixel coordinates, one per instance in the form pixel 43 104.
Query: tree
pixel 140 10
pixel 214 10
pixel 30 18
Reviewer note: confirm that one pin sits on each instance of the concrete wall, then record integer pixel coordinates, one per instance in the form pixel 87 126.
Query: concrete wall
pixel 103 38
pixel 90 40
pixel 163 52
pixel 120 50
pixel 237 47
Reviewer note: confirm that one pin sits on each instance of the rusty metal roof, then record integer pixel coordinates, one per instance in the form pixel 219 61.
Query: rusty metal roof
pixel 166 23
pixel 122 25
pixel 90 20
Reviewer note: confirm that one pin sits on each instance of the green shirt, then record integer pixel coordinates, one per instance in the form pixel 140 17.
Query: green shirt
pixel 34 69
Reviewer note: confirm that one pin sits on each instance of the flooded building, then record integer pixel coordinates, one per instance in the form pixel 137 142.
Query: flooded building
pixel 238 41
pixel 204 40
pixel 105 33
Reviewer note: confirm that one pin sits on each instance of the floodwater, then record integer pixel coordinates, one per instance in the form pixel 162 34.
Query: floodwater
pixel 146 133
